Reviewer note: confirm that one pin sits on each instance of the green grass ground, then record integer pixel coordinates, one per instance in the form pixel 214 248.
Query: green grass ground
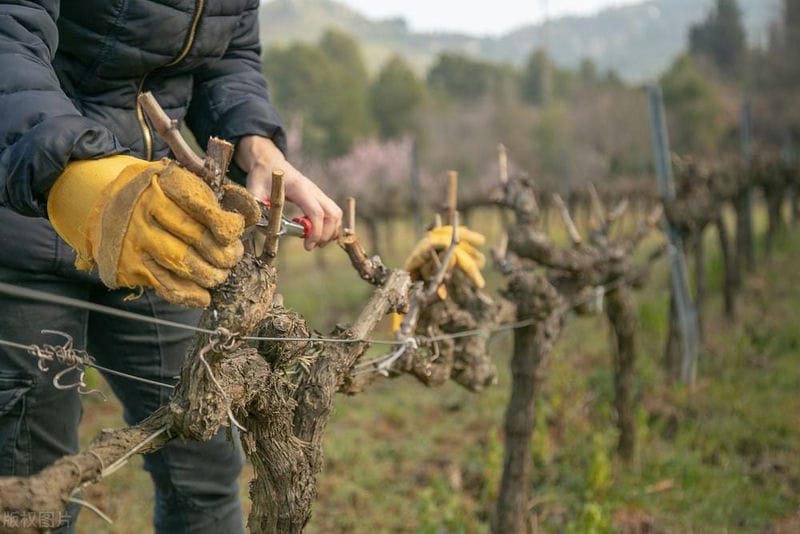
pixel 401 458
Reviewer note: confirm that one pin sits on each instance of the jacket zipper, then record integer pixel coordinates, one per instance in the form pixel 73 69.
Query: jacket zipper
pixel 146 133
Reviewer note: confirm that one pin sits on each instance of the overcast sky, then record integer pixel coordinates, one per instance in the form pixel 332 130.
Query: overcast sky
pixel 476 16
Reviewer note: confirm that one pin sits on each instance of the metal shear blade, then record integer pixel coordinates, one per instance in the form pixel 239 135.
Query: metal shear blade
pixel 297 227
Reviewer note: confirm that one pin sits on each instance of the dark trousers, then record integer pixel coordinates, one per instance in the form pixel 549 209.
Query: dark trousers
pixel 196 484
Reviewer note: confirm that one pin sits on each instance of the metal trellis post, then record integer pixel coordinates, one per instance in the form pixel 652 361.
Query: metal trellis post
pixel 747 151
pixel 687 315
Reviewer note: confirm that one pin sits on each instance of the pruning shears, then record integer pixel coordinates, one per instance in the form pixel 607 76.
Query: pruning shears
pixel 297 227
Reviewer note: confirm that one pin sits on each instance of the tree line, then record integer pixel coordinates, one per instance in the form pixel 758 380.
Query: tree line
pixel 562 124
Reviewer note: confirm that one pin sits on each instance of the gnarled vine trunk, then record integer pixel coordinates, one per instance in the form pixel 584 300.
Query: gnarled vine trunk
pixel 535 299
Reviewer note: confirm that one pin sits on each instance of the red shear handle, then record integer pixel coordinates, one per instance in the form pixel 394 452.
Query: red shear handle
pixel 305 222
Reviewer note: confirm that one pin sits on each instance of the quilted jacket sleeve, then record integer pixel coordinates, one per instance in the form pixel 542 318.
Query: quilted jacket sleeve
pixel 40 130
pixel 230 97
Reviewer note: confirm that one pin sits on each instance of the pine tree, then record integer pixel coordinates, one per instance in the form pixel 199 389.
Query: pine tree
pixel 721 38
pixel 791 21
pixel 694 106
pixel 347 98
pixel 537 78
pixel 462 77
pixel 791 28
pixel 395 97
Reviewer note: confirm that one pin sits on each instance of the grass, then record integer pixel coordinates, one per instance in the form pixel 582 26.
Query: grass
pixel 402 458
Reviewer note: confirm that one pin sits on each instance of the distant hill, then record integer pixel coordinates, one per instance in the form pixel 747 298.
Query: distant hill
pixel 638 41
pixel 289 20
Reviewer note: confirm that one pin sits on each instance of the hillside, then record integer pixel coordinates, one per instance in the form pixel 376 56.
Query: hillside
pixel 284 21
pixel 638 41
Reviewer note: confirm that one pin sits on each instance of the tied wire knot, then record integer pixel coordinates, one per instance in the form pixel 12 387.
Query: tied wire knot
pixel 221 340
pixel 66 354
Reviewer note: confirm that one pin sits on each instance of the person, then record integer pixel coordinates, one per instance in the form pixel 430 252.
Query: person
pixel 83 186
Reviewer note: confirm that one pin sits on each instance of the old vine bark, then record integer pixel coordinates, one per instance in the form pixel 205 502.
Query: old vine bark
pixel 536 299
pixel 622 317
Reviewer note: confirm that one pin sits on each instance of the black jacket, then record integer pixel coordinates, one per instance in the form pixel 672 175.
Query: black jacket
pixel 69 82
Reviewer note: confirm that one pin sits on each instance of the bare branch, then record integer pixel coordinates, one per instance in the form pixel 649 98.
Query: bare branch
pixel 444 266
pixel 350 228
pixel 502 248
pixel 452 195
pixel 503 261
pixel 618 211
pixel 218 159
pixel 418 301
pixel 502 159
pixel 48 490
pixel 572 230
pixel 598 208
pixel 372 269
pixel 276 200
pixel 168 130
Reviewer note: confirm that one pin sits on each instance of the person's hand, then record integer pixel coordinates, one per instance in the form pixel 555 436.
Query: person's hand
pixel 466 257
pixel 151 224
pixel 258 157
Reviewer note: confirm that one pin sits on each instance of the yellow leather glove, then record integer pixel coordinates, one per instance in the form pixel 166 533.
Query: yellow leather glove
pixel 397 321
pixel 421 265
pixel 150 224
pixel 466 257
